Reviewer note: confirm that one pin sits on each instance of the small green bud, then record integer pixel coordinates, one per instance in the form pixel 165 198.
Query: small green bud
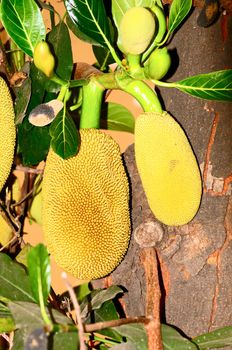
pixel 43 58
pixel 158 64
pixel 136 30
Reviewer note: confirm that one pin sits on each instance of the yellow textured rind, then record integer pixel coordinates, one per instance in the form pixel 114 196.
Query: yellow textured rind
pixel 137 28
pixel 7 132
pixel 168 168
pixel 85 208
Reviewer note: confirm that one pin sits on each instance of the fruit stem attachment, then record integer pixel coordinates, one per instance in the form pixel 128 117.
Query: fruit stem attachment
pixel 144 95
pixel 92 94
pixel 134 63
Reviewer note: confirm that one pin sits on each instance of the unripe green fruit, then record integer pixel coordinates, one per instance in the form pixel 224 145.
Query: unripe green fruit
pixel 158 64
pixel 136 30
pixel 43 58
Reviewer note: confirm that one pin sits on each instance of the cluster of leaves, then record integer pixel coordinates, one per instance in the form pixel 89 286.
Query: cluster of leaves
pixel 30 309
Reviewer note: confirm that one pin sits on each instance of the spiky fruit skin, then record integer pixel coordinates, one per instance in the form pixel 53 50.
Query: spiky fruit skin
pixel 7 132
pixel 43 58
pixel 85 208
pixel 168 168
pixel 136 30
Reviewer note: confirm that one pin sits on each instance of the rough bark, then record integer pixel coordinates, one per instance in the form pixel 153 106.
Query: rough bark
pixel 195 259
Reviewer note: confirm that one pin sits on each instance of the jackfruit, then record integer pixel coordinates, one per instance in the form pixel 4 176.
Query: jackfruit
pixel 43 58
pixel 158 64
pixel 7 132
pixel 85 209
pixel 168 168
pixel 136 30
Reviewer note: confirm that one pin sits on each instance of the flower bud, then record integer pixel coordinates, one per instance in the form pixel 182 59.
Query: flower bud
pixel 158 64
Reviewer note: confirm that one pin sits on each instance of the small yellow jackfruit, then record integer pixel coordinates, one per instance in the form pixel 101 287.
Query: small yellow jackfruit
pixel 7 132
pixel 43 58
pixel 136 30
pixel 85 209
pixel 168 168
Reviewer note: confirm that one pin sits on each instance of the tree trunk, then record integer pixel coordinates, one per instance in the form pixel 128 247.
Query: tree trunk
pixel 195 259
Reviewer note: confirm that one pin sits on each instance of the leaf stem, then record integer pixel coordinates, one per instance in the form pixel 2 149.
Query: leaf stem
pixel 92 95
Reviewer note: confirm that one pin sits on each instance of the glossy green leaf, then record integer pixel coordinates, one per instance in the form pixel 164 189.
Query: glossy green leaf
pixel 173 340
pixel 178 11
pixel 76 31
pixel 39 270
pixel 135 333
pixel 119 7
pixel 34 142
pixel 117 117
pixel 23 22
pixel 90 18
pixel 60 41
pixel 211 86
pixel 104 58
pixel 97 298
pixel 64 134
pixel 14 282
pixel 219 338
pixel 106 312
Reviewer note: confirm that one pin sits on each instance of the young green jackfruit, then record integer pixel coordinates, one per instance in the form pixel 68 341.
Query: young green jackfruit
pixel 7 132
pixel 168 168
pixel 158 64
pixel 136 30
pixel 43 58
pixel 85 207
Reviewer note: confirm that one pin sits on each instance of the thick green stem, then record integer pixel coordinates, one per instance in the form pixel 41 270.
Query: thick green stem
pixel 135 69
pixel 92 94
pixel 144 95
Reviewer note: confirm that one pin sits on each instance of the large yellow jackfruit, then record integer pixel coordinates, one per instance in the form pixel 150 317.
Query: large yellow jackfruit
pixel 7 132
pixel 85 209
pixel 168 168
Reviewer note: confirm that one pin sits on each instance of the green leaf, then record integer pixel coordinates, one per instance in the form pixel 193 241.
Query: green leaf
pixel 14 282
pixel 119 7
pixel 21 258
pixel 124 346
pixel 103 56
pixel 39 273
pixel 90 18
pixel 27 317
pixel 59 39
pixel 64 134
pixel 66 341
pixel 23 95
pixel 97 298
pixel 33 141
pixel 211 86
pixel 117 117
pixel 219 338
pixel 135 333
pixel 24 23
pixel 178 11
pixel 6 321
pixel 172 340
pixel 107 312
